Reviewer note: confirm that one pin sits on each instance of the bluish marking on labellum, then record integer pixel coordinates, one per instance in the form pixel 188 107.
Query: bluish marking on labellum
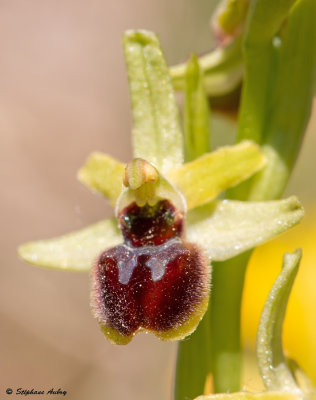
pixel 155 281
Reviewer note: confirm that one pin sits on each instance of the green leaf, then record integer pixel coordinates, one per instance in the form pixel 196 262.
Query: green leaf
pixel 76 251
pixel 222 70
pixel 157 136
pixel 291 100
pixel 272 364
pixel 104 174
pixel 265 18
pixel 196 113
pixel 227 228
pixel 203 179
pixel 264 21
pixel 278 91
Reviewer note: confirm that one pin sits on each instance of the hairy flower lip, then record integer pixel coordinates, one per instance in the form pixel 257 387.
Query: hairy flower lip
pixel 141 296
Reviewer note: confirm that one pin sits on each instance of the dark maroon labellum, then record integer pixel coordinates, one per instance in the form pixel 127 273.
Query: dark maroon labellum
pixel 155 280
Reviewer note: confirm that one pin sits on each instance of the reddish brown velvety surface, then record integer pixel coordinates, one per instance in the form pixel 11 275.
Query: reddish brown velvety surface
pixel 156 285
pixel 150 225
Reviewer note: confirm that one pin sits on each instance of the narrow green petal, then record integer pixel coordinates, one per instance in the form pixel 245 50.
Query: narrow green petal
pixel 104 174
pixel 197 131
pixel 75 251
pixel 204 178
pixel 157 136
pixel 272 364
pixel 222 69
pixel 227 228
pixel 254 396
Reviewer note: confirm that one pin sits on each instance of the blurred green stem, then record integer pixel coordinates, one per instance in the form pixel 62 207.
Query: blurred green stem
pixel 194 361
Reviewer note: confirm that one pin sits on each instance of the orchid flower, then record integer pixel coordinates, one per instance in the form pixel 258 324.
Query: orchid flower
pixel 151 262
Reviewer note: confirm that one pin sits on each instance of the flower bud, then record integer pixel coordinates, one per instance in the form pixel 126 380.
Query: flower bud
pixel 228 20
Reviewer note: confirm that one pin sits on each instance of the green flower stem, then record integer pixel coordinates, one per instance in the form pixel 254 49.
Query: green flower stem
pixel 194 361
pixel 276 105
pixel 228 281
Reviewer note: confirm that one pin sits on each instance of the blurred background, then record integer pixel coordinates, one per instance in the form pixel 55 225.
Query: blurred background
pixel 63 95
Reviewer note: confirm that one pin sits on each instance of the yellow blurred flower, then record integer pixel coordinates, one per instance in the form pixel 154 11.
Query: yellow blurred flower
pixel 299 334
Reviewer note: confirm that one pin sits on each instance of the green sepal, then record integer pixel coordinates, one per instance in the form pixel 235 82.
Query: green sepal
pixel 104 174
pixel 76 251
pixel 196 113
pixel 157 136
pixel 227 228
pixel 201 180
pixel 273 367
